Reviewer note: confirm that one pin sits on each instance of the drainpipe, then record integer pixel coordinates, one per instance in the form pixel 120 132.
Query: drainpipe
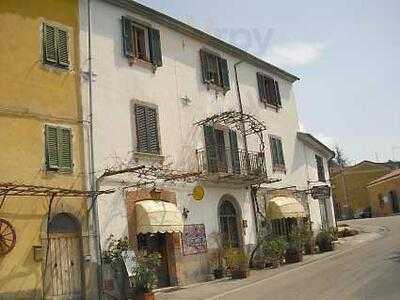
pixel 253 190
pixel 93 186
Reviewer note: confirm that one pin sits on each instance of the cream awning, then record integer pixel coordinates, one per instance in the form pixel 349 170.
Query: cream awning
pixel 157 216
pixel 285 207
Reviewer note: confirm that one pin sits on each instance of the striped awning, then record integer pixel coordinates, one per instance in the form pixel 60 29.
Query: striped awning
pixel 157 216
pixel 285 207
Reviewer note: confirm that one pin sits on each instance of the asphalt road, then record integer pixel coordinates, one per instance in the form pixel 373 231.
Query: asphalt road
pixel 368 270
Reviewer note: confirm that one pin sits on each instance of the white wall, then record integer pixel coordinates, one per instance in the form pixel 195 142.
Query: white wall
pixel 118 84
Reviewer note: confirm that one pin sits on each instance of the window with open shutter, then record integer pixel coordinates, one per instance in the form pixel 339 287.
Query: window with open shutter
pixel 268 89
pixel 234 151
pixel 58 148
pixel 155 47
pixel 278 160
pixel 211 148
pixel 55 46
pixel 320 168
pixel 215 70
pixel 147 129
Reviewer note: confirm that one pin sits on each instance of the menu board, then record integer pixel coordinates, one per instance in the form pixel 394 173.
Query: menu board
pixel 194 239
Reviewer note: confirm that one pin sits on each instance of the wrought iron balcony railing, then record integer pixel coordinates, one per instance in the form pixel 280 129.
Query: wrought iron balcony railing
pixel 215 160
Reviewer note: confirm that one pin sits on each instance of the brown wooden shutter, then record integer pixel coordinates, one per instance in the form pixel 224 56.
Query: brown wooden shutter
pixel 141 131
pixel 51 149
pixel 262 88
pixel 211 151
pixel 234 151
pixel 155 47
pixel 152 131
pixel 49 44
pixel 127 37
pixel 62 48
pixel 223 66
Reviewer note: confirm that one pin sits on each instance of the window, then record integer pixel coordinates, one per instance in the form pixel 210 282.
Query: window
pixel 215 70
pixel 320 168
pixel 278 161
pixel 58 148
pixel 229 225
pixel 147 129
pixel 141 42
pixel 55 46
pixel 323 212
pixel 269 91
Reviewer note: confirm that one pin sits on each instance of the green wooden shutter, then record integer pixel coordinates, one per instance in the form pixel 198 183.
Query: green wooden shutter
pixel 51 137
pixel 274 151
pixel 281 159
pixel 127 37
pixel 49 44
pixel 62 48
pixel 152 130
pixel 204 66
pixel 211 151
pixel 65 149
pixel 141 131
pixel 261 87
pixel 155 47
pixel 278 94
pixel 234 151
pixel 223 66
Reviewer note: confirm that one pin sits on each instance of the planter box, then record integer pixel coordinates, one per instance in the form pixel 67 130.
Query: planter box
pixel 293 256
pixel 239 274
pixel 218 273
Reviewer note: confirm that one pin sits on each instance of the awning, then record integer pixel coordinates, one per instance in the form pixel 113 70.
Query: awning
pixel 157 216
pixel 285 207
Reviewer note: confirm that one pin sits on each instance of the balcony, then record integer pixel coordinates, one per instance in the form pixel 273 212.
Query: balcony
pixel 223 163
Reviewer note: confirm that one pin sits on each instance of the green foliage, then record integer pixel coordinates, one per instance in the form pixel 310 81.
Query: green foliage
pixel 217 255
pixel 113 254
pixel 145 278
pixel 236 259
pixel 273 248
pixel 325 239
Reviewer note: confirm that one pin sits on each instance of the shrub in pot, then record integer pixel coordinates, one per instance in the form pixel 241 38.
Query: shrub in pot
pixel 238 263
pixel 308 239
pixel 325 240
pixel 145 278
pixel 217 256
pixel 273 249
pixel 259 260
pixel 294 248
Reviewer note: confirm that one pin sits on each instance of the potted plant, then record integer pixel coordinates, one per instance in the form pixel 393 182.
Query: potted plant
pixel 273 249
pixel 308 238
pixel 144 275
pixel 259 260
pixel 294 248
pixel 325 240
pixel 238 263
pixel 217 256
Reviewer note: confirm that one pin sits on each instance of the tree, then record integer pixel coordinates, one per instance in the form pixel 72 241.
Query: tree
pixel 340 159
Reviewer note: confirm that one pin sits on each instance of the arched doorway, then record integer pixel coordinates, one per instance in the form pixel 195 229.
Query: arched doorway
pixel 63 270
pixel 229 224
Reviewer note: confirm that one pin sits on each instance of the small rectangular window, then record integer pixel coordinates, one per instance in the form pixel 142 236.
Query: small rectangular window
pixel 55 46
pixel 147 129
pixel 320 168
pixel 278 160
pixel 269 91
pixel 58 148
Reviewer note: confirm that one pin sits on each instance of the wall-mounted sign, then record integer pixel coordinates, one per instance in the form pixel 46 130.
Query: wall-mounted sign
pixel 198 193
pixel 321 191
pixel 194 239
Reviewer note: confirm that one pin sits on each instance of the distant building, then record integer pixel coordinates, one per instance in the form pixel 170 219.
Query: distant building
pixel 384 194
pixel 349 186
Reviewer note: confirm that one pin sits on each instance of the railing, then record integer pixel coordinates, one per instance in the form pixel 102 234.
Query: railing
pixel 223 160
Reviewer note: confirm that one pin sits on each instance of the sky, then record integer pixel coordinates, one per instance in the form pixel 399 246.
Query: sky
pixel 347 54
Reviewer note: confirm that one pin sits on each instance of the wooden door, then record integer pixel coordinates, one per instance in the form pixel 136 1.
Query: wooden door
pixel 395 203
pixel 63 271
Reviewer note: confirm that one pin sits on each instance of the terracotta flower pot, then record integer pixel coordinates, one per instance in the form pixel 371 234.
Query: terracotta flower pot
pixel 145 296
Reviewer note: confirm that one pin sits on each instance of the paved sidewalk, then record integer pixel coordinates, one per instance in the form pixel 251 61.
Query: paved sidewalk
pixel 214 289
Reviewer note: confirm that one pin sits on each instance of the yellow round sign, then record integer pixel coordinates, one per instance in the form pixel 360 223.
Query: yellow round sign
pixel 198 193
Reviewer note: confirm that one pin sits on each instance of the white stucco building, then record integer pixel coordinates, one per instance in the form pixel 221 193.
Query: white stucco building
pixel 153 79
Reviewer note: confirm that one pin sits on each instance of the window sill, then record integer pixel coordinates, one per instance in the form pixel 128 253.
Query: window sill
pixel 274 107
pixel 142 63
pixel 144 156
pixel 216 88
pixel 281 169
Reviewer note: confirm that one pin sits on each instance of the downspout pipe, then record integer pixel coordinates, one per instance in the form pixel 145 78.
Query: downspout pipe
pixel 92 179
pixel 253 190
